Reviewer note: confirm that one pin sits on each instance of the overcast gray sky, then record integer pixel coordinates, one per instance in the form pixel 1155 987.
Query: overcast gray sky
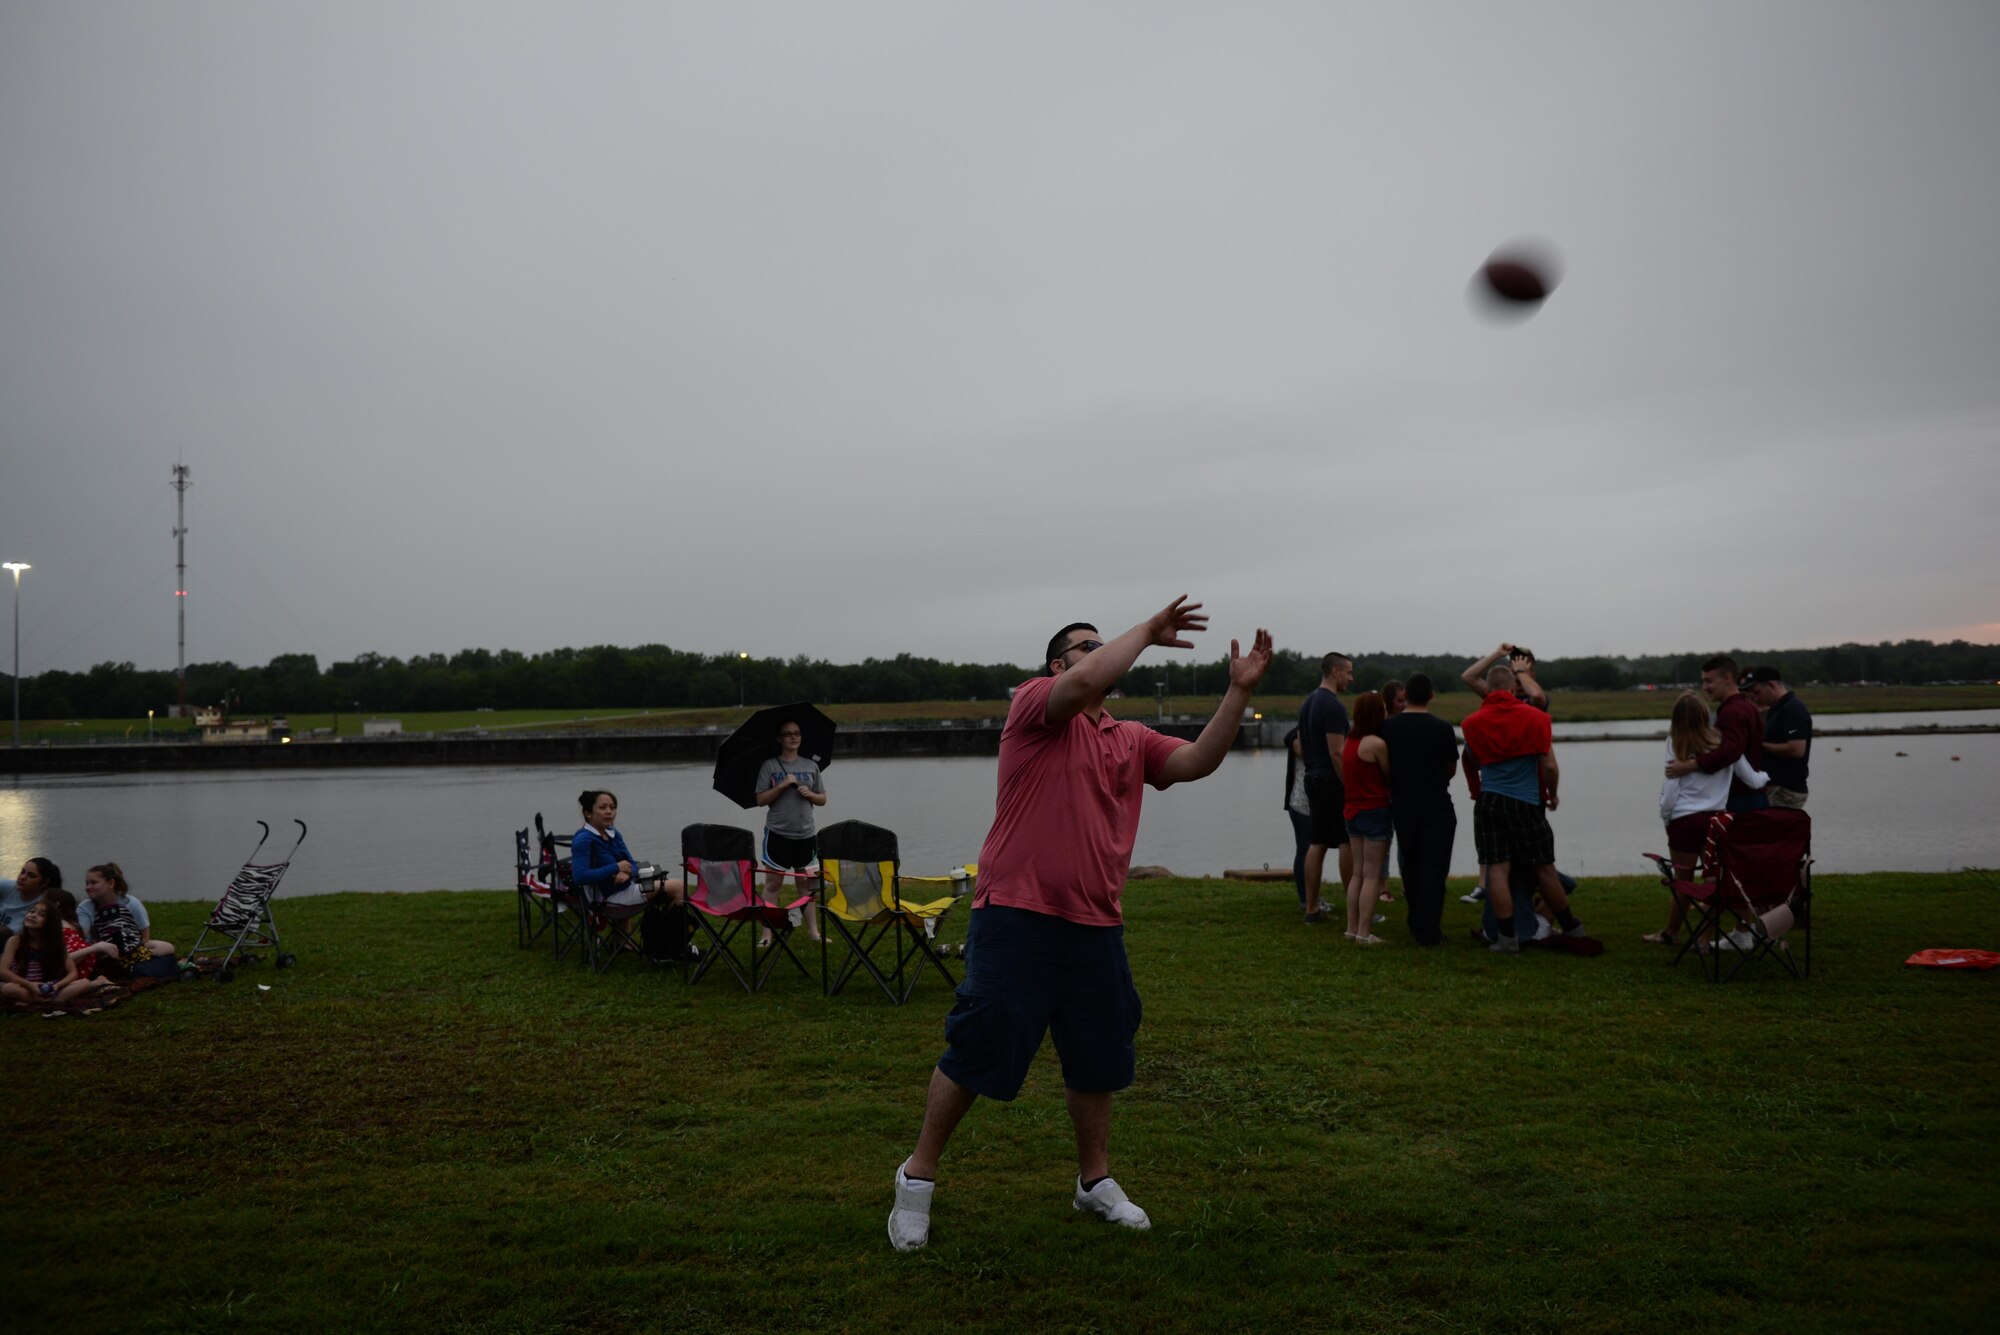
pixel 845 329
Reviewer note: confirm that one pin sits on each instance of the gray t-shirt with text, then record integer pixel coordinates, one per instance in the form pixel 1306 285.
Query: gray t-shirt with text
pixel 791 815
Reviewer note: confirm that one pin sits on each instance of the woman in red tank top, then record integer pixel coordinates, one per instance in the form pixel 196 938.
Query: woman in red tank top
pixel 1364 770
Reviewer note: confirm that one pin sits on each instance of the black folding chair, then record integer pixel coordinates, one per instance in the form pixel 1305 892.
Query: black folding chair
pixel 534 887
pixel 569 920
pixel 611 926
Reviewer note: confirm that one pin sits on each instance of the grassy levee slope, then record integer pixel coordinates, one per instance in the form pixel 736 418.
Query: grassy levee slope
pixel 423 1127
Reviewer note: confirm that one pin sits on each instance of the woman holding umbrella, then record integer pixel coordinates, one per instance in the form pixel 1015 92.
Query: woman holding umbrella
pixel 789 786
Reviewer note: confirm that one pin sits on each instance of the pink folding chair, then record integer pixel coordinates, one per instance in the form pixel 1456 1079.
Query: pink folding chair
pixel 726 895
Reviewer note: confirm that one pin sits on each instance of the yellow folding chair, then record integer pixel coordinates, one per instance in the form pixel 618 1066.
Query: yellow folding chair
pixel 869 904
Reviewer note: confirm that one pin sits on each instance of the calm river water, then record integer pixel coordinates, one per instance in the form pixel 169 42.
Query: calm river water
pixel 1911 803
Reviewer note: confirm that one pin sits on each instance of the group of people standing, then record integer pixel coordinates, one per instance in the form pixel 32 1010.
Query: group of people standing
pixel 61 953
pixel 1358 784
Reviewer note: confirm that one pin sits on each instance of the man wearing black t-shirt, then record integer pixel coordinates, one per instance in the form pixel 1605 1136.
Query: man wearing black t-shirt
pixel 1322 733
pixel 1787 735
pixel 1423 755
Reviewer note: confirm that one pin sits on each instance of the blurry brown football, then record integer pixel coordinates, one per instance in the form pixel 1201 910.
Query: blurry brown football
pixel 1515 280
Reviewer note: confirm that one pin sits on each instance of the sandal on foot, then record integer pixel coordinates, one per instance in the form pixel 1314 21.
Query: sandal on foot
pixel 1661 938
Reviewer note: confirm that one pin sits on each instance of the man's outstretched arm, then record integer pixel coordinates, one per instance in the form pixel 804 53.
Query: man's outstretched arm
pixel 1097 672
pixel 1475 676
pixel 1204 756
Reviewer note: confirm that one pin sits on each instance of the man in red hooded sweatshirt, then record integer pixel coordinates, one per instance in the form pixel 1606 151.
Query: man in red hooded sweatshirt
pixel 1515 748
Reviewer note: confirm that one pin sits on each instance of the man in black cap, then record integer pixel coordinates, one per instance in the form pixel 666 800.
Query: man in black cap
pixel 1787 735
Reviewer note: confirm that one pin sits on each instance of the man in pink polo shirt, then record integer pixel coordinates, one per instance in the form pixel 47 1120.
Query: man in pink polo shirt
pixel 1046 943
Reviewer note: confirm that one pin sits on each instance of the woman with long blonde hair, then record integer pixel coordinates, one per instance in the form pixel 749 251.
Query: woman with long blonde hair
pixel 1687 803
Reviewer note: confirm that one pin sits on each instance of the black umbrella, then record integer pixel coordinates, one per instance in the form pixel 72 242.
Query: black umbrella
pixel 746 749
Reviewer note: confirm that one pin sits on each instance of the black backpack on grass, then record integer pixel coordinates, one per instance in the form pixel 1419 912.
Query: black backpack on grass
pixel 664 930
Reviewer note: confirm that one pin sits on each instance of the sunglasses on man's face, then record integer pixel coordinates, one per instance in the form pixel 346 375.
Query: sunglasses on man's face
pixel 1084 646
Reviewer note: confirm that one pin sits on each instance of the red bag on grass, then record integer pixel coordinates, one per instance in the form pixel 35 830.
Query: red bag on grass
pixel 1956 959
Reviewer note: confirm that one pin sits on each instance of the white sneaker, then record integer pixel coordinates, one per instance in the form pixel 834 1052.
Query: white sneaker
pixel 1476 896
pixel 1737 940
pixel 1108 1201
pixel 910 1221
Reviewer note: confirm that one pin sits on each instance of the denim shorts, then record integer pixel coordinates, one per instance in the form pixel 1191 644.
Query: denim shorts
pixel 1373 824
pixel 1029 974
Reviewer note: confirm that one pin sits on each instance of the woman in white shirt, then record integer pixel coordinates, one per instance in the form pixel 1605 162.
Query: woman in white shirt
pixel 1687 803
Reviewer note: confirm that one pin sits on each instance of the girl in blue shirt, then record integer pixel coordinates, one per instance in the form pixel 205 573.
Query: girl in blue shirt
pixel 599 858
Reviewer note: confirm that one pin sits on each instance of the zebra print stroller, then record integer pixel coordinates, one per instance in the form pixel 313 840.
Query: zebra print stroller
pixel 242 917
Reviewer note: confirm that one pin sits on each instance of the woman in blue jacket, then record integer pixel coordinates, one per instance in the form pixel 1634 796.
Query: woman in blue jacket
pixel 599 858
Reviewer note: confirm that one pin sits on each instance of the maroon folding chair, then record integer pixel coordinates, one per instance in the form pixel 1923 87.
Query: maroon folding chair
pixel 1755 869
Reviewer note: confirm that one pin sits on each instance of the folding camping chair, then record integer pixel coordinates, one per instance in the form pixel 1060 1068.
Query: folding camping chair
pixel 1752 864
pixel 865 901
pixel 242 916
pixel 726 895
pixel 608 927
pixel 569 924
pixel 534 889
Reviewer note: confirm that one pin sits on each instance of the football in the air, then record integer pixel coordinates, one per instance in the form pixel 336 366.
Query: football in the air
pixel 1517 279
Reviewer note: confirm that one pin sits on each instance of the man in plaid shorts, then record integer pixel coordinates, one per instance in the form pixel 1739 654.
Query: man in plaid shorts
pixel 1514 746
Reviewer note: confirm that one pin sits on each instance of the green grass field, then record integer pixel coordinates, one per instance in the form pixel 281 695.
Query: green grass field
pixel 422 1127
pixel 1569 706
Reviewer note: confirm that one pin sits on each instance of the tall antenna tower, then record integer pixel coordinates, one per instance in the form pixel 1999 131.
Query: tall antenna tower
pixel 180 484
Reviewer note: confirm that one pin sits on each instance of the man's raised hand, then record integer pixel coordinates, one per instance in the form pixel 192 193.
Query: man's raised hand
pixel 1179 617
pixel 1247 670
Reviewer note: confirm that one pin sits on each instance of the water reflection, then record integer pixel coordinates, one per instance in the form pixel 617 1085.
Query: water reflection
pixel 1953 718
pixel 1880 803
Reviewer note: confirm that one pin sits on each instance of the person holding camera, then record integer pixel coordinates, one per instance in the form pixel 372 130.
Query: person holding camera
pixel 598 856
pixel 1529 692
pixel 1522 660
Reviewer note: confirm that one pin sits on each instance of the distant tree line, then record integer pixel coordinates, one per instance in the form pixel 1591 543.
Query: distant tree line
pixel 653 676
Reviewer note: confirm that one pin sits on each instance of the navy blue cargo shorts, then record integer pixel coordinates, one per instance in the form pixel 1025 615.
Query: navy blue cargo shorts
pixel 1029 974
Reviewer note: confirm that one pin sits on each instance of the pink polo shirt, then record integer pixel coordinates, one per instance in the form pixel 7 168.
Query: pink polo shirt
pixel 1068 810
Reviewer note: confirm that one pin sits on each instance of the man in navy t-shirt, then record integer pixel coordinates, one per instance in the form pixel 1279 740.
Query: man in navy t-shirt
pixel 1322 732
pixel 1787 735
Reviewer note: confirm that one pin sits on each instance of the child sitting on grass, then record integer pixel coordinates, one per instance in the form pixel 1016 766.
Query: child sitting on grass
pixel 81 953
pixel 118 937
pixel 35 968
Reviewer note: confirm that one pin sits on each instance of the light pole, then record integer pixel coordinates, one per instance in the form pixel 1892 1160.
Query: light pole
pixel 742 679
pixel 17 567
pixel 149 725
